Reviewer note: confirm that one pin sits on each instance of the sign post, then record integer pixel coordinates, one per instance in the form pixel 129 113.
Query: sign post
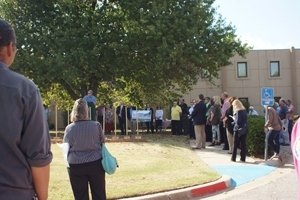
pixel 267 135
pixel 267 99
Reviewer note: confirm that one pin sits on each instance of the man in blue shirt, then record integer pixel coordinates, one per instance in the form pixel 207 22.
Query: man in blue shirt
pixel 283 114
pixel 252 111
pixel 91 101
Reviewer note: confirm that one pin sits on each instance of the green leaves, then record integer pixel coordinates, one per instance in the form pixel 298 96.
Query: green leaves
pixel 137 50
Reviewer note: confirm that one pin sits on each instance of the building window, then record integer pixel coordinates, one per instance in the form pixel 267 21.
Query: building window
pixel 277 99
pixel 242 70
pixel 274 69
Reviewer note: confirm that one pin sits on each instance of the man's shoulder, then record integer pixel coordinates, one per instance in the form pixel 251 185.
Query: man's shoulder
pixel 14 80
pixel 285 107
pixel 202 104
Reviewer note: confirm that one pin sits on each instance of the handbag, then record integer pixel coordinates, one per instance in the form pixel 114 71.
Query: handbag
pixel 109 162
pixel 243 130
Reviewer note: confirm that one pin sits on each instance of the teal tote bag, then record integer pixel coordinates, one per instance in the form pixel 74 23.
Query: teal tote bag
pixel 109 162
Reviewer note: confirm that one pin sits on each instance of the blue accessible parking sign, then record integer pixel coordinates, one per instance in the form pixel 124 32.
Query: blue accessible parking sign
pixel 267 96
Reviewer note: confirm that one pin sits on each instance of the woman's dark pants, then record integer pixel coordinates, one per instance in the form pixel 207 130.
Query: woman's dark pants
pixel 237 141
pixel 82 175
pixel 273 140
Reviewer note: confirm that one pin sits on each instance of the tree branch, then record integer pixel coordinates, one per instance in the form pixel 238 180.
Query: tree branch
pixel 69 89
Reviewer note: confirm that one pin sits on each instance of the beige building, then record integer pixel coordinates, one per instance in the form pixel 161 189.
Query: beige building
pixel 244 78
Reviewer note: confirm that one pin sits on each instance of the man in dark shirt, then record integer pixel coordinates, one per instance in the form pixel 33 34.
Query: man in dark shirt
pixel 183 118
pixel 199 118
pixel 100 110
pixel 122 117
pixel 284 115
pixel 25 142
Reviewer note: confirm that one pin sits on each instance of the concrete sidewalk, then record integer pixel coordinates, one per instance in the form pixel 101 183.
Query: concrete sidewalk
pixel 240 172
pixel 233 174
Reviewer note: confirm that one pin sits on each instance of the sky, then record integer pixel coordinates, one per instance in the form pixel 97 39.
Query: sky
pixel 264 24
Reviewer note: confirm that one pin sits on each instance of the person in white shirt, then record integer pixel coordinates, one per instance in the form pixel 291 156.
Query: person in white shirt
pixel 252 111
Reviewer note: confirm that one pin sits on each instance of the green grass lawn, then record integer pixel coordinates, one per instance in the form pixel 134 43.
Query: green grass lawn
pixel 163 163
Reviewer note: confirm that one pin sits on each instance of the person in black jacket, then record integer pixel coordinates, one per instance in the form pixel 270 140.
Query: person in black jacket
pixel 199 119
pixel 183 117
pixel 240 121
pixel 150 124
pixel 122 117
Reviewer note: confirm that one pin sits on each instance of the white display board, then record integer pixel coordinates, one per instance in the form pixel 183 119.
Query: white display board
pixel 142 115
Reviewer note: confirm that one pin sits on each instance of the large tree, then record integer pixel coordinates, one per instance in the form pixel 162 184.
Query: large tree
pixel 138 49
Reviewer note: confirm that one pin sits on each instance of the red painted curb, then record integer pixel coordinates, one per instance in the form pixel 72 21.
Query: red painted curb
pixel 208 189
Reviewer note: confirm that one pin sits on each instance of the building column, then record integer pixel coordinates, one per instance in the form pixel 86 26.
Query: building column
pixel 294 79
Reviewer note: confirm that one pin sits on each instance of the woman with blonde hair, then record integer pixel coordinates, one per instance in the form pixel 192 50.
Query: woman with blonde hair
pixel 228 123
pixel 240 130
pixel 215 117
pixel 85 138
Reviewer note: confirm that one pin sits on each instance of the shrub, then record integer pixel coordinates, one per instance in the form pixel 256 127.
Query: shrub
pixel 256 135
pixel 245 103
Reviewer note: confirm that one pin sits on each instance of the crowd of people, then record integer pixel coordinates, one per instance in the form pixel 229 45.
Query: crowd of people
pixel 224 120
pixel 25 139
pixel 219 120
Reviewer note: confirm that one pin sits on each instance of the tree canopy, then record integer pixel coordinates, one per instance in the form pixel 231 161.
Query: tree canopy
pixel 139 50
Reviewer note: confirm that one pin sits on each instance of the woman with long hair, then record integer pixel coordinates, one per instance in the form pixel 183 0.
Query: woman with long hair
pixel 215 117
pixel 274 126
pixel 85 138
pixel 229 123
pixel 240 121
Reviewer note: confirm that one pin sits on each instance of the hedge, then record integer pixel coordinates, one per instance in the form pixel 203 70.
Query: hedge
pixel 256 135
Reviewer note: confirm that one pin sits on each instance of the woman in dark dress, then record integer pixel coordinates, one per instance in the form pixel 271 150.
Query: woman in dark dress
pixel 228 121
pixel 240 121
